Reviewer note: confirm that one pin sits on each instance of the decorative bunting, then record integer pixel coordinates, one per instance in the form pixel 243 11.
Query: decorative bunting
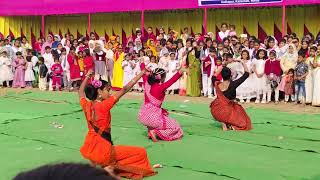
pixel 277 33
pixel 289 31
pixel 33 39
pixel 192 33
pixel 60 34
pixel 218 39
pixel 96 35
pixel 124 38
pixel 11 34
pixel 305 30
pixel 245 31
pixel 262 35
pixel 106 36
pixel 21 33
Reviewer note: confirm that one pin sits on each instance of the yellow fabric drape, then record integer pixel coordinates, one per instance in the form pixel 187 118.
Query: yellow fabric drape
pixel 117 21
pixel 309 15
pixel 178 19
pixel 63 22
pixel 248 17
pixel 175 19
pixel 17 22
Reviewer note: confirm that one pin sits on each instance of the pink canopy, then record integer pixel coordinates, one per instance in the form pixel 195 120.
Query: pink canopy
pixel 50 7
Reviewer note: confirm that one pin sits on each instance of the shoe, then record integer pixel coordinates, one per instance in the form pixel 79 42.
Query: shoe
pixel 257 101
pixel 248 101
pixel 263 102
pixel 241 101
pixel 210 97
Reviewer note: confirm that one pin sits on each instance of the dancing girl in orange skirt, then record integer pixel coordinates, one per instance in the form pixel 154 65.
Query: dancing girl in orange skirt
pixel 224 108
pixel 125 161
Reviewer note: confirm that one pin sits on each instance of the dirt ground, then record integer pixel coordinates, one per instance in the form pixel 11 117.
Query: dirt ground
pixel 284 107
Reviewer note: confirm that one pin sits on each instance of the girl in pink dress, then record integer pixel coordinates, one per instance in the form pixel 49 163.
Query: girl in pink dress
pixel 155 118
pixel 19 66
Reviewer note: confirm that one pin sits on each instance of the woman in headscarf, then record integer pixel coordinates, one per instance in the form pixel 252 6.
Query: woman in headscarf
pixel 47 43
pixel 288 61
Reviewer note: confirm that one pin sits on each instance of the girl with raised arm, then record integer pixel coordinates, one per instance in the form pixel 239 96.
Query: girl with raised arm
pixel 96 102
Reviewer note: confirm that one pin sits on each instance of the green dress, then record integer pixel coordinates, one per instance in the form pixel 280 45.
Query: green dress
pixel 193 84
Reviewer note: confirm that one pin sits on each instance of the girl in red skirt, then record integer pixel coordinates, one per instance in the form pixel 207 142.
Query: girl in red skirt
pixel 224 108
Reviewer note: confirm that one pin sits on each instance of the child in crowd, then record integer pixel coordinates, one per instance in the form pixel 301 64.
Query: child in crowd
pixel 43 71
pixel 217 70
pixel 6 74
pixel 29 73
pixel 19 65
pixel 246 90
pixel 127 66
pixel 259 77
pixel 289 86
pixel 208 66
pixel 81 63
pixel 56 74
pixel 74 69
pixel 66 69
pixel 136 71
pixel 88 63
pixel 301 72
pixel 316 77
pixel 173 68
pixel 273 73
pixel 309 78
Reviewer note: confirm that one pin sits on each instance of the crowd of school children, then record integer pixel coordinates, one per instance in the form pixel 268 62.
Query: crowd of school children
pixel 288 69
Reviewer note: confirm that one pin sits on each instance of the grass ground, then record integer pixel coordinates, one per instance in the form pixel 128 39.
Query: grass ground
pixel 284 144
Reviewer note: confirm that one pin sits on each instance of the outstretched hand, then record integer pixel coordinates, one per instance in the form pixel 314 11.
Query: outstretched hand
pixel 89 73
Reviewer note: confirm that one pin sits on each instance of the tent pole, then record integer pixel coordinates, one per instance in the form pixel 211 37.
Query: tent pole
pixel 205 19
pixel 89 23
pixel 43 24
pixel 283 18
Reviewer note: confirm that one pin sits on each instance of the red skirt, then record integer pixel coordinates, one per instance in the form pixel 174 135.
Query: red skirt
pixel 229 112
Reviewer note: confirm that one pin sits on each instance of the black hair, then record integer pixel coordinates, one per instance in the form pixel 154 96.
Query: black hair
pixel 226 73
pixel 41 59
pixel 18 53
pixel 63 49
pixel 314 48
pixel 224 24
pixel 219 58
pixel 208 39
pixel 163 42
pixel 92 92
pixel 229 55
pixel 265 54
pixel 92 33
pixel 47 47
pixel 246 51
pixel 72 48
pixel 301 53
pixel 152 79
pixel 56 58
pixel 211 49
pixel 28 58
pixel 283 40
pixel 87 52
pixel 270 39
pixel 65 171
pixel 291 71
pixel 273 52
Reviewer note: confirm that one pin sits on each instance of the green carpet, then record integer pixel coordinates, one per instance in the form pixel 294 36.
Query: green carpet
pixel 281 145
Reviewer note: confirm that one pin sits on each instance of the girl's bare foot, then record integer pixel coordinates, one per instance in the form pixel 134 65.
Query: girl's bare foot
pixel 153 135
pixel 224 127
pixel 110 170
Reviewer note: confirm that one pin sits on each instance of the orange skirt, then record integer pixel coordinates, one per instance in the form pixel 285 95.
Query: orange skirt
pixel 229 112
pixel 129 161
